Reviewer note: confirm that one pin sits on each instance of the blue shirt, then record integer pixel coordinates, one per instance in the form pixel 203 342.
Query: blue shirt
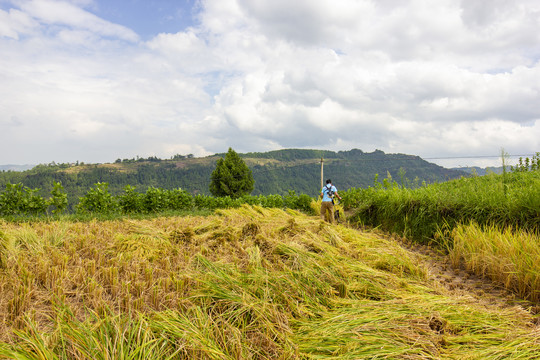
pixel 324 191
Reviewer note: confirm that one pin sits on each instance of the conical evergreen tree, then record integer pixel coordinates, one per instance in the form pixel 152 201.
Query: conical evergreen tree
pixel 231 177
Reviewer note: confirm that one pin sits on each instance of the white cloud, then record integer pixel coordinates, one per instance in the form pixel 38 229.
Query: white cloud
pixel 323 22
pixel 13 22
pixel 431 78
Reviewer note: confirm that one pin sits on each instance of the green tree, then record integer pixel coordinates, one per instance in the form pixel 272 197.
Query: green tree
pixel 231 177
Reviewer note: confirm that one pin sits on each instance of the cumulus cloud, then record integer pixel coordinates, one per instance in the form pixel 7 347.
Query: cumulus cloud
pixel 406 63
pixel 13 22
pixel 429 78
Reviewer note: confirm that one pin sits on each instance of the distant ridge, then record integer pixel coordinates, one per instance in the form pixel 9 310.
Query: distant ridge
pixel 481 171
pixel 275 172
pixel 16 167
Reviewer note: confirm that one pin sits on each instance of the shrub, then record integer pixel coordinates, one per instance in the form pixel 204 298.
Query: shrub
pixel 250 200
pixel 300 202
pixel 130 201
pixel 155 200
pixel 272 201
pixel 11 199
pixel 58 198
pixel 17 199
pixel 179 199
pixel 204 202
pixel 32 203
pixel 97 200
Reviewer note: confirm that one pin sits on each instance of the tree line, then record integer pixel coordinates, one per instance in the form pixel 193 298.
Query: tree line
pixel 274 172
pixel 231 185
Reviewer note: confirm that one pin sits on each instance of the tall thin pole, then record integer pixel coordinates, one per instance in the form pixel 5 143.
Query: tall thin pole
pixel 322 172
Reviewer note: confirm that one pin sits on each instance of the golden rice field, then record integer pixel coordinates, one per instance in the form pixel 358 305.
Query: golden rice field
pixel 247 283
pixel 508 257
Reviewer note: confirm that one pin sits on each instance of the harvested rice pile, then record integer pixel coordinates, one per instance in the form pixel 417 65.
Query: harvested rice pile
pixel 248 283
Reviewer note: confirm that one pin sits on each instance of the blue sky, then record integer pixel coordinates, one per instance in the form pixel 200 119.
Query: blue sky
pixel 93 81
pixel 148 17
pixel 145 17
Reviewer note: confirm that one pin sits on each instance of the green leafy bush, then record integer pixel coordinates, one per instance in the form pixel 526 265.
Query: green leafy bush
pixel 58 199
pixel 17 199
pixel 33 203
pixel 155 200
pixel 11 199
pixel 97 200
pixel 300 202
pixel 179 199
pixel 130 201
pixel 272 201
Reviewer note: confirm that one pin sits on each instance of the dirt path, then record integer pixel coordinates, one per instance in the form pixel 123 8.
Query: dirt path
pixel 461 282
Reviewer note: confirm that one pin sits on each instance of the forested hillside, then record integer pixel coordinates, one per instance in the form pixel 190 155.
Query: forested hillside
pixel 275 172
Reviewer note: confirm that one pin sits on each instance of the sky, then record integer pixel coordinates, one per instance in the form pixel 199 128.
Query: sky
pixel 452 81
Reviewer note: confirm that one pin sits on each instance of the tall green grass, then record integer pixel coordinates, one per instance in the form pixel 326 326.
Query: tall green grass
pixel 512 200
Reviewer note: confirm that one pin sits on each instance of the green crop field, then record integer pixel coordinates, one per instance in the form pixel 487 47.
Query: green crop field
pixel 509 200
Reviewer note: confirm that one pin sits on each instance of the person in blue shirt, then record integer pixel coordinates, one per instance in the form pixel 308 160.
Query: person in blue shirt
pixel 328 193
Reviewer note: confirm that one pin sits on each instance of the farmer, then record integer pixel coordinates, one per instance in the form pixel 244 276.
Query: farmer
pixel 327 193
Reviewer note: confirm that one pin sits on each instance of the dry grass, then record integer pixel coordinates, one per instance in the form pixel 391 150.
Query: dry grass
pixel 248 283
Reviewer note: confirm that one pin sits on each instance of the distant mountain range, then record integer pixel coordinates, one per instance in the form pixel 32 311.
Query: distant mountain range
pixel 275 172
pixel 15 167
pixel 481 171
